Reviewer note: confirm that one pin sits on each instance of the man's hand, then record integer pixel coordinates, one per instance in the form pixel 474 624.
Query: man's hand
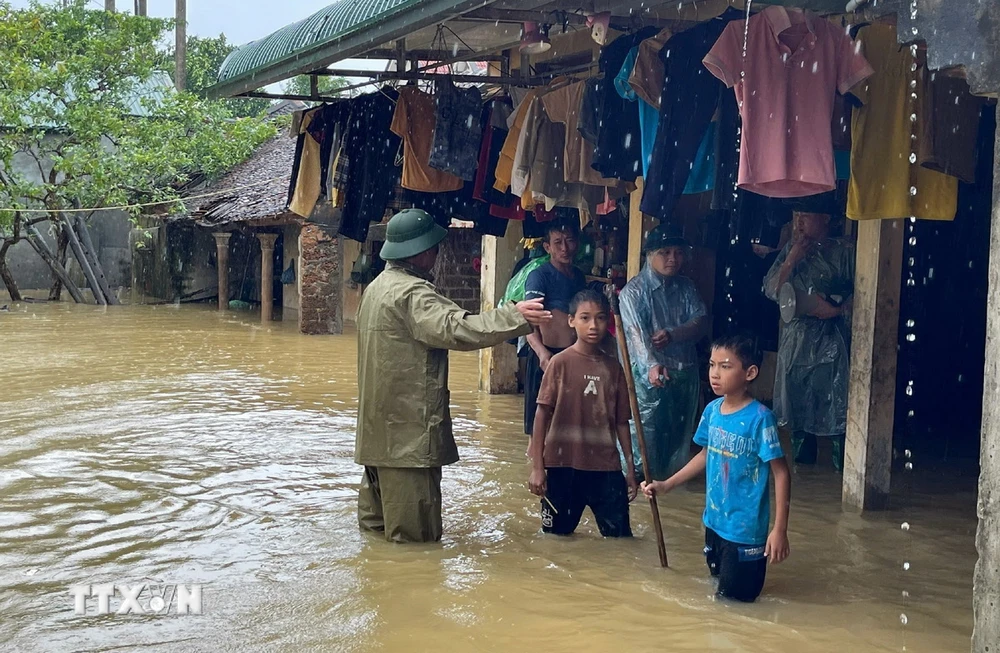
pixel 536 482
pixel 633 486
pixel 662 338
pixel 658 376
pixel 776 549
pixel 799 251
pixel 534 312
pixel 825 310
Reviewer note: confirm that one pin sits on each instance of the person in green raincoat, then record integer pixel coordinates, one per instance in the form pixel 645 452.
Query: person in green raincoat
pixel 405 329
pixel 813 373
pixel 664 317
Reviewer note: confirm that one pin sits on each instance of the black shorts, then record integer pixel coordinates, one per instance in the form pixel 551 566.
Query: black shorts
pixel 532 384
pixel 740 568
pixel 571 490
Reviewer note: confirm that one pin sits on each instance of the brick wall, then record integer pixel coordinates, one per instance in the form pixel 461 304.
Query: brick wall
pixel 321 283
pixel 453 274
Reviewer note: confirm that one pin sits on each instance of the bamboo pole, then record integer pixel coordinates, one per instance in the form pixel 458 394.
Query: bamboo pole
pixel 661 546
pixel 35 240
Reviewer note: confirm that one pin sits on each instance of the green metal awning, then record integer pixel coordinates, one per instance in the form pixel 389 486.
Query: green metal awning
pixel 343 29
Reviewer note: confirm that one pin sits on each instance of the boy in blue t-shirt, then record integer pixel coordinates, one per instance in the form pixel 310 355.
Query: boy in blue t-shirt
pixel 741 451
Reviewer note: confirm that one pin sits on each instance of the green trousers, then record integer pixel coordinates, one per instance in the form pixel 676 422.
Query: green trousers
pixel 404 503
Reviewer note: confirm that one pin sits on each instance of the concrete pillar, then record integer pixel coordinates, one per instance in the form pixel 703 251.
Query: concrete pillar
pixel 986 582
pixel 498 365
pixel 222 265
pixel 874 342
pixel 321 281
pixel 266 276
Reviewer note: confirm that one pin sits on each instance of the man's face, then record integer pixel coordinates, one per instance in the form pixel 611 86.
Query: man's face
pixel 562 246
pixel 667 261
pixel 813 226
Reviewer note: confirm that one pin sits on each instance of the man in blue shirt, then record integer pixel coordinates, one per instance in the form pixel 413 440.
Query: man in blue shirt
pixel 741 451
pixel 555 283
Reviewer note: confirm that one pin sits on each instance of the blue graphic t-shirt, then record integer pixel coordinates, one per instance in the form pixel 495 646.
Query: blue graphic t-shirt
pixel 740 448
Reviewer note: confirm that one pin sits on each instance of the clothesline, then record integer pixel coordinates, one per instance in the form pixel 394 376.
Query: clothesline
pixel 121 207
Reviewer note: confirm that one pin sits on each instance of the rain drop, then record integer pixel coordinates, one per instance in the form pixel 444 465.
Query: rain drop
pixel 902 619
pixel 906 566
pixel 913 191
pixel 905 526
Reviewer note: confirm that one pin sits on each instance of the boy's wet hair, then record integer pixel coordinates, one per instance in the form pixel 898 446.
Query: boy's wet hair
pixel 591 296
pixel 743 345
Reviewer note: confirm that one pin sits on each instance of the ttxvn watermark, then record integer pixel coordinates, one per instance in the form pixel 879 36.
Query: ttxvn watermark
pixel 141 598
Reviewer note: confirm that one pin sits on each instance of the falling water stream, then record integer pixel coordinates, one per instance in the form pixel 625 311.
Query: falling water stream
pixel 183 445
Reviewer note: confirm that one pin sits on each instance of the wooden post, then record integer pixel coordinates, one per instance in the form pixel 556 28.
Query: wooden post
pixel 986 582
pixel 81 258
pixel 222 267
pixel 266 276
pixel 874 341
pixel 80 225
pixel 498 365
pixel 635 231
pixel 180 44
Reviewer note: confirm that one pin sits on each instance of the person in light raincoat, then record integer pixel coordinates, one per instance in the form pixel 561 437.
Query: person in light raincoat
pixel 664 317
pixel 405 329
pixel 811 382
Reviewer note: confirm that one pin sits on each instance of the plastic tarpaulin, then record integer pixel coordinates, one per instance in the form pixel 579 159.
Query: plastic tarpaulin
pixel 810 386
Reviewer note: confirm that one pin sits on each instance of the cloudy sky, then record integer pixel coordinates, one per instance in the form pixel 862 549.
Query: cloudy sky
pixel 239 20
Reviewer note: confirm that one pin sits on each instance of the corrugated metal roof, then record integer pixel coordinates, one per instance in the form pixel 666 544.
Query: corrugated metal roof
pixel 330 22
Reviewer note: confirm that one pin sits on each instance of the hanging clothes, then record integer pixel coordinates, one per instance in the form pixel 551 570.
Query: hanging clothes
pixel 306 188
pixel 505 166
pixel 562 106
pixel 813 372
pixel 589 124
pixel 701 177
pixel 618 153
pixel 689 100
pixel 884 184
pixel 785 84
pixel 949 137
pixel 371 176
pixel 538 176
pixel 458 130
pixel 414 121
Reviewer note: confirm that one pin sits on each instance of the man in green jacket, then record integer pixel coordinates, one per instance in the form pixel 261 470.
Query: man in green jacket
pixel 405 329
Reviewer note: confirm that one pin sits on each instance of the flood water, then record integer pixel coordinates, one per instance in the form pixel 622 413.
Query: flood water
pixel 180 445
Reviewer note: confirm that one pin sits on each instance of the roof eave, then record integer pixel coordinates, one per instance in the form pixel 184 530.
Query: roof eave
pixel 366 36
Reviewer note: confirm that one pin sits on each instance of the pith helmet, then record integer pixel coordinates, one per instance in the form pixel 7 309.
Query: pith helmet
pixel 409 233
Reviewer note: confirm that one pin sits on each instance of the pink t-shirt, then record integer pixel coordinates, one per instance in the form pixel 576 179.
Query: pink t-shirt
pixel 795 64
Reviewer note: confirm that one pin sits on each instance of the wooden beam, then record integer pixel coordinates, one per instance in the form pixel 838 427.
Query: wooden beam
pixel 635 231
pixel 874 343
pixel 986 582
pixel 498 365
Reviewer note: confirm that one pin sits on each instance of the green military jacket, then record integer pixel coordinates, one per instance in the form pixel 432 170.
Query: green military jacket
pixel 405 329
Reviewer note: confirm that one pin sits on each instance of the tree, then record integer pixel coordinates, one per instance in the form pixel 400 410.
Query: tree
pixel 300 85
pixel 88 121
pixel 204 58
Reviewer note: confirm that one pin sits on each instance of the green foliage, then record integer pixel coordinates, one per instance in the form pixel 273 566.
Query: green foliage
pixel 88 120
pixel 299 85
pixel 204 58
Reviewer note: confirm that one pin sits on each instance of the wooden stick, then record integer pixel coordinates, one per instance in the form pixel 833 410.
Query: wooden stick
pixel 634 401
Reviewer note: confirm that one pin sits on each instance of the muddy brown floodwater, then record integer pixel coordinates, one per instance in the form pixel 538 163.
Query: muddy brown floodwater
pixel 180 445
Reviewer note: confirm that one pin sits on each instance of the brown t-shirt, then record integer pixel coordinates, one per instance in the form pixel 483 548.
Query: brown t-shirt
pixel 589 400
pixel 414 122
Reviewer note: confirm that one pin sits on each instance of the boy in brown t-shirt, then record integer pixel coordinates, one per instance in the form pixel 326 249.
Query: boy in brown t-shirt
pixel 583 414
